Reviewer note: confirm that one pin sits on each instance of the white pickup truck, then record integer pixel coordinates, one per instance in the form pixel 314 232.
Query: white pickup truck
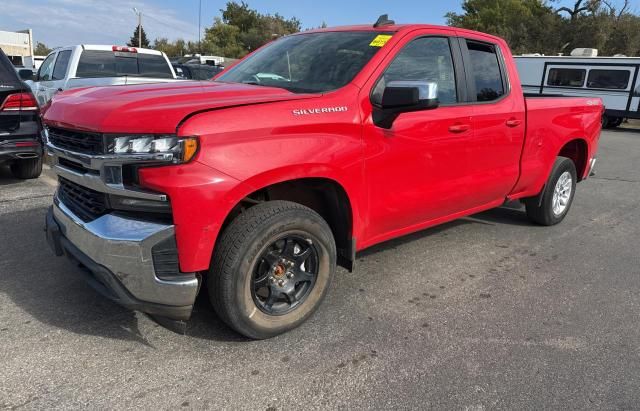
pixel 93 65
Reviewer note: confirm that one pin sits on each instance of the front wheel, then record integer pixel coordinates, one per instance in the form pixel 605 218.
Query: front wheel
pixel 271 268
pixel 557 196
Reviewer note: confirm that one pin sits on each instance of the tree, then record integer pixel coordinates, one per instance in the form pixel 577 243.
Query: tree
pixel 527 25
pixel 41 49
pixel 133 42
pixel 536 26
pixel 242 30
pixel 239 31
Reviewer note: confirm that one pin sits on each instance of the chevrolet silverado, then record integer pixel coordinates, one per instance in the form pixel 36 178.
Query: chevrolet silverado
pixel 314 147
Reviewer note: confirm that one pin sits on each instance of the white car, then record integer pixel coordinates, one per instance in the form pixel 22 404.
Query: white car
pixel 94 65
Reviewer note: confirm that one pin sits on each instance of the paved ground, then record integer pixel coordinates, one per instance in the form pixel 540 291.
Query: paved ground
pixel 485 312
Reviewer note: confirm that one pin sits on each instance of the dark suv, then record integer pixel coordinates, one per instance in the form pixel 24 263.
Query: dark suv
pixel 20 127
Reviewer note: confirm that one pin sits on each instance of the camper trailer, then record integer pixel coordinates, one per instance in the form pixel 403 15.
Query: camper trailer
pixel 613 79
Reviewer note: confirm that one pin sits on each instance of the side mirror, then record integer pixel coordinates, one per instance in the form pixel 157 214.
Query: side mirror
pixel 25 74
pixel 403 97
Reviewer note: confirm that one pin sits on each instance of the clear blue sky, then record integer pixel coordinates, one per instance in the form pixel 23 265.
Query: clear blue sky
pixel 65 22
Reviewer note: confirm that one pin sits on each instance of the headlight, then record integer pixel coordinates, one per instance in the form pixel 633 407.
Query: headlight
pixel 183 148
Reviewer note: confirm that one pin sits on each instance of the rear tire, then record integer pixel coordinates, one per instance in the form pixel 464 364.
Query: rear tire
pixel 557 196
pixel 611 122
pixel 271 268
pixel 27 169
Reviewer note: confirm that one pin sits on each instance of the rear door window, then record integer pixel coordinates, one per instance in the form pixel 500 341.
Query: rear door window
pixel 487 74
pixel 60 68
pixel 566 77
pixel 608 79
pixel 103 63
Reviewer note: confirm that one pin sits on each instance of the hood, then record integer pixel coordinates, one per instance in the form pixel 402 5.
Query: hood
pixel 152 108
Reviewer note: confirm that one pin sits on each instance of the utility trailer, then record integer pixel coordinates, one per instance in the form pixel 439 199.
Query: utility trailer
pixel 613 79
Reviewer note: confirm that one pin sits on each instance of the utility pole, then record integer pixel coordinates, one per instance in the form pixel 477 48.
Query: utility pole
pixel 139 13
pixel 199 29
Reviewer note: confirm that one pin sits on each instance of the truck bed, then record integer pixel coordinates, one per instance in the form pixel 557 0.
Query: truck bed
pixel 551 122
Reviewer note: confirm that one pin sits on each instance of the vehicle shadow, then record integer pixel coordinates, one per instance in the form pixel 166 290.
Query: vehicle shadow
pixel 508 215
pixel 627 128
pixel 6 178
pixel 513 214
pixel 52 290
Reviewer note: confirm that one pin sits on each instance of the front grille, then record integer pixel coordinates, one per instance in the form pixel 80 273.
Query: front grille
pixel 84 202
pixel 77 141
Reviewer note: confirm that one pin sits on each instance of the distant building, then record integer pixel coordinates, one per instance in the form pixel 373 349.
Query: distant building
pixel 18 45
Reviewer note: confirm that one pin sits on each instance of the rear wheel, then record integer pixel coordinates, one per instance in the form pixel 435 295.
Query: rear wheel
pixel 27 169
pixel 557 196
pixel 272 268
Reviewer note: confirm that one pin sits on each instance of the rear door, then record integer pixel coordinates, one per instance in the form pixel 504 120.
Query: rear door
pixel 498 117
pixel 9 84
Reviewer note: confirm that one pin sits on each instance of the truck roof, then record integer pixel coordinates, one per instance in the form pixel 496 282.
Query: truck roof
pixel 394 28
pixel 104 47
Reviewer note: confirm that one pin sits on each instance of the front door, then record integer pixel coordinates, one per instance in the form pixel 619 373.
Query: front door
pixel 418 170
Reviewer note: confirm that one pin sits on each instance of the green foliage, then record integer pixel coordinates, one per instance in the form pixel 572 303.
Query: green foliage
pixel 177 48
pixel 536 26
pixel 133 42
pixel 242 30
pixel 41 49
pixel 239 31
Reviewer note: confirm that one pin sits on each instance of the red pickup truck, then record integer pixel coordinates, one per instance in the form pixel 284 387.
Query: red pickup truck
pixel 314 147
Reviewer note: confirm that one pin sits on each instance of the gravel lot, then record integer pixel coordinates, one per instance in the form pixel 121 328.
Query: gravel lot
pixel 482 313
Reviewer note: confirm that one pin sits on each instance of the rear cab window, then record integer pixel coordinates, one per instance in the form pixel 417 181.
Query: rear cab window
pixel 105 63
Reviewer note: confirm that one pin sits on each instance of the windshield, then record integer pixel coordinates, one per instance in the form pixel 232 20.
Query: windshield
pixel 307 63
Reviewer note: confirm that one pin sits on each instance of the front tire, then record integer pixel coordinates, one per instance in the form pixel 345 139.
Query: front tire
pixel 272 268
pixel 27 169
pixel 557 196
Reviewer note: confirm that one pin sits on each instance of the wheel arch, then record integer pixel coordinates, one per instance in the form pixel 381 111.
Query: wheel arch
pixel 321 193
pixel 577 150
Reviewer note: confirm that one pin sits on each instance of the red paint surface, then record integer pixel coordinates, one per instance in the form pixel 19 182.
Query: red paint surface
pixel 415 175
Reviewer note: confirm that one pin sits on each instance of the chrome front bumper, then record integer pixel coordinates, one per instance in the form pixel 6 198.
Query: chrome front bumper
pixel 122 248
pixel 118 251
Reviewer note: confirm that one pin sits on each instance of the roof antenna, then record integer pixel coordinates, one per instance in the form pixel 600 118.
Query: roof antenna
pixel 384 21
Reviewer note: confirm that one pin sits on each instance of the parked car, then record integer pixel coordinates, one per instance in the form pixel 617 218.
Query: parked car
pixel 89 65
pixel 615 80
pixel 264 183
pixel 20 143
pixel 196 71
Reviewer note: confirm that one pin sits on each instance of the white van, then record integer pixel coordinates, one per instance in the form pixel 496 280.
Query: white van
pixel 91 65
pixel 613 79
